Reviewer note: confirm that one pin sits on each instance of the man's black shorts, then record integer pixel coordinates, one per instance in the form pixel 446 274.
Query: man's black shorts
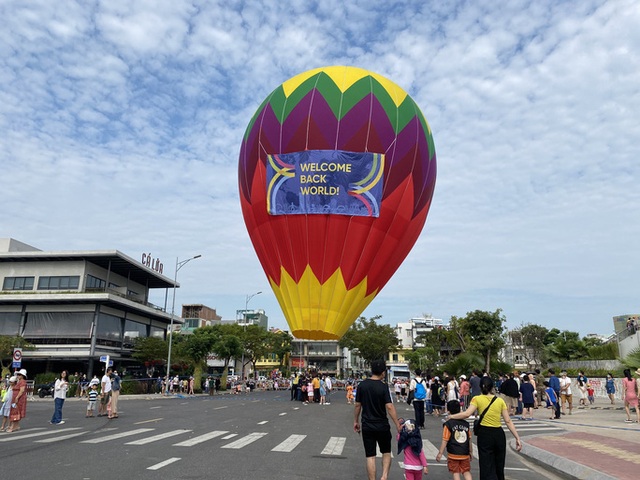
pixel 371 438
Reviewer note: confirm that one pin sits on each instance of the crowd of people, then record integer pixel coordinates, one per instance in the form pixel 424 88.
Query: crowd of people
pixel 489 402
pixel 311 387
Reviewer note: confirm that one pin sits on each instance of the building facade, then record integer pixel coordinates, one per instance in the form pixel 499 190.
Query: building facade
pixel 77 306
pixel 198 315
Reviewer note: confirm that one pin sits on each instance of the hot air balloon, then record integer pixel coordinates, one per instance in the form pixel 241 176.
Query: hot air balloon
pixel 336 174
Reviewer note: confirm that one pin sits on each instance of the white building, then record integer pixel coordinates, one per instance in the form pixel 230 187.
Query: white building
pixel 76 306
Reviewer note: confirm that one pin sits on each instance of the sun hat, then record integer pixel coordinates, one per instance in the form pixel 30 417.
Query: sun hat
pixel 13 379
pixel 22 372
pixel 638 371
pixel 464 377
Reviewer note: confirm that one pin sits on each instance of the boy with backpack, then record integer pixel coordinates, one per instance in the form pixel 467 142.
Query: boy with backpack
pixel 457 441
pixel 419 388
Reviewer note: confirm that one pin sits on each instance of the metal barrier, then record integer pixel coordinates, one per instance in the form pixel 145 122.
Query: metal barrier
pixel 30 388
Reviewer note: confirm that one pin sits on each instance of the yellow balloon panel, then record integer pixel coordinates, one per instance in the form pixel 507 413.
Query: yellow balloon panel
pixel 318 311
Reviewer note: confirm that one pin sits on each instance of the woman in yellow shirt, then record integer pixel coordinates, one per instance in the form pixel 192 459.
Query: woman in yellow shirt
pixel 492 443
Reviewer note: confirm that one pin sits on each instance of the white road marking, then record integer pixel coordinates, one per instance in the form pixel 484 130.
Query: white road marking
pixel 60 438
pixel 230 436
pixel 199 439
pixel 153 408
pixel 155 438
pixel 149 421
pixel 430 450
pixel 334 446
pixel 244 441
pixel 220 408
pixel 158 466
pixel 115 436
pixel 263 422
pixel 37 434
pixel 283 413
pixel 289 444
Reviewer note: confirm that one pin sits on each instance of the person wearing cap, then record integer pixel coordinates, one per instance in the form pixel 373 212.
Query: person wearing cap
pixel 565 391
pixel 7 396
pixel 19 401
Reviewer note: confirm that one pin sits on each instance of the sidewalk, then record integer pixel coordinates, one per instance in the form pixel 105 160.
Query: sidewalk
pixel 598 444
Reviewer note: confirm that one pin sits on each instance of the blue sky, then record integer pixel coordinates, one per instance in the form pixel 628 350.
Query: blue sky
pixel 121 126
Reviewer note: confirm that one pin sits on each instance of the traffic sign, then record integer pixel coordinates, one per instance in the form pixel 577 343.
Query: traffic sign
pixel 104 358
pixel 17 358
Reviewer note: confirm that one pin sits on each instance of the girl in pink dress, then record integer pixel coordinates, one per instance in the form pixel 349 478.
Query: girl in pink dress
pixel 629 389
pixel 410 442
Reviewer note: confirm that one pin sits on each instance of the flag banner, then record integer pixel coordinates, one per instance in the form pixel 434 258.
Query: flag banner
pixel 325 182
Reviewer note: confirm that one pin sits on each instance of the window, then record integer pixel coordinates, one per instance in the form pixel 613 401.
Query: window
pixel 394 357
pixel 58 283
pixel 95 282
pixel 18 283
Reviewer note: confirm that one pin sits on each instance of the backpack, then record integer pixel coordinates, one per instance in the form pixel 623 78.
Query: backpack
pixel 442 393
pixel 421 392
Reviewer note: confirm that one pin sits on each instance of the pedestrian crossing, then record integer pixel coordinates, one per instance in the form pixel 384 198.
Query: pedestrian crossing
pixel 334 446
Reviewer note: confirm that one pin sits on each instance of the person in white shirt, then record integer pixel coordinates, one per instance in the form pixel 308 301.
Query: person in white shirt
pixel 328 386
pixel 565 391
pixel 59 395
pixel 105 393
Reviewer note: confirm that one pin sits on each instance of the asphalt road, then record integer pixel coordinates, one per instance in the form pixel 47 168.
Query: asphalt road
pixel 260 435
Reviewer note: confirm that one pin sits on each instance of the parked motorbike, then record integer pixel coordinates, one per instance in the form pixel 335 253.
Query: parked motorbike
pixel 46 390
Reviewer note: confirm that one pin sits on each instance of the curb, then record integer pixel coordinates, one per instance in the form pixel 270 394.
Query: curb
pixel 562 466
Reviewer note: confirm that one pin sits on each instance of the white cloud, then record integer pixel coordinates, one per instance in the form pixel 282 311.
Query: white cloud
pixel 122 123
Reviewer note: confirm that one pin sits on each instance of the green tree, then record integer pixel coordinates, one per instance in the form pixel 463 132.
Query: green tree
pixel 484 330
pixel 532 337
pixel 370 340
pixel 423 358
pixel 280 345
pixel 194 349
pixel 447 342
pixel 256 345
pixel 7 344
pixel 227 345
pixel 151 351
pixel 564 346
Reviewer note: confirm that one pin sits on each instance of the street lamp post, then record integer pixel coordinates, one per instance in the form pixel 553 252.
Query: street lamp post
pixel 244 323
pixel 179 265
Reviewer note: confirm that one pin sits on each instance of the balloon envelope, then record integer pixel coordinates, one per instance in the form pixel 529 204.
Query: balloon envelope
pixel 336 174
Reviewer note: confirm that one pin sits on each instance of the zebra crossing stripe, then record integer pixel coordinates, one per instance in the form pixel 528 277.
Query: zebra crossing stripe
pixel 115 436
pixel 202 438
pixel 60 438
pixel 37 434
pixel 231 435
pixel 244 441
pixel 168 461
pixel 289 444
pixel 430 450
pixel 334 446
pixel 144 441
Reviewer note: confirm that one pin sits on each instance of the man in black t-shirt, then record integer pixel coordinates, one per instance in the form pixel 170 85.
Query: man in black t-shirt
pixel 373 400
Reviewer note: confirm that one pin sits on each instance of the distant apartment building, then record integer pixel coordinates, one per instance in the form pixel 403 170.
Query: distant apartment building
pixel 408 332
pixel 252 317
pixel 197 316
pixel 77 306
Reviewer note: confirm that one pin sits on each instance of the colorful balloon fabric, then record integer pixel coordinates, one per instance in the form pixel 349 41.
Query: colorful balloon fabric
pixel 336 175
